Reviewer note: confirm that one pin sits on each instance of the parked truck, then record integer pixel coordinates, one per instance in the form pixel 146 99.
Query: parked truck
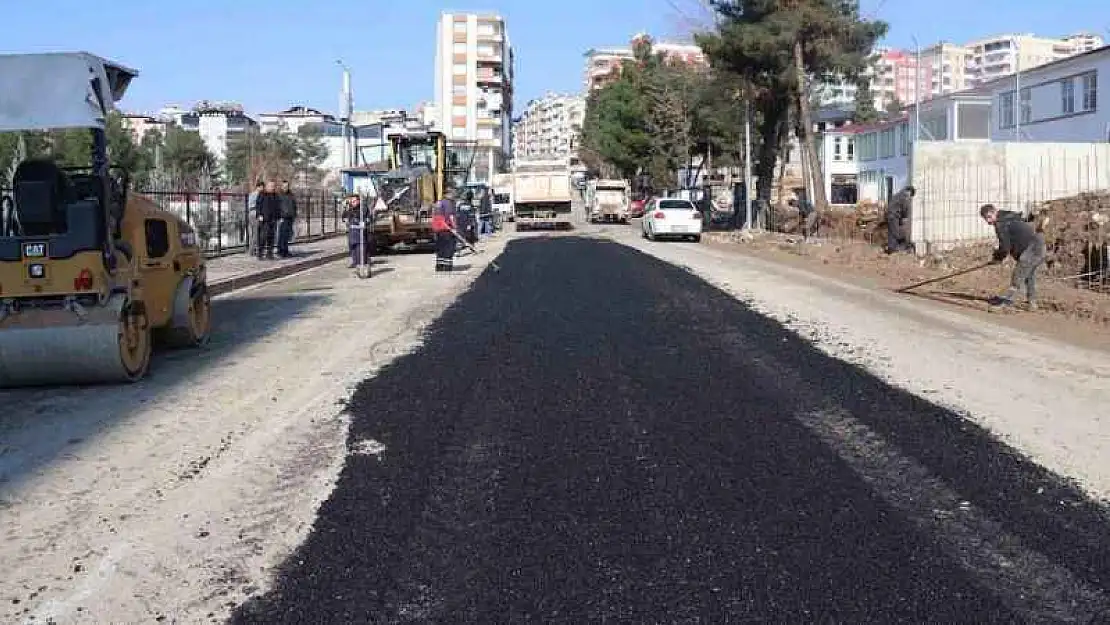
pixel 608 201
pixel 542 196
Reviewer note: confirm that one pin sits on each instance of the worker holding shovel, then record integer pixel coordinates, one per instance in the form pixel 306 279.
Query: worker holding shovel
pixel 1019 239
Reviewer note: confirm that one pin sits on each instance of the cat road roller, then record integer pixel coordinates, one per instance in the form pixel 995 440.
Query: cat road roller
pixel 90 274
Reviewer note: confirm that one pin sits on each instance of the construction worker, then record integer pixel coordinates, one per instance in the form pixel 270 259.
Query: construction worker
pixel 269 210
pixel 357 236
pixel 808 215
pixel 287 217
pixel 445 224
pixel 898 212
pixel 1019 239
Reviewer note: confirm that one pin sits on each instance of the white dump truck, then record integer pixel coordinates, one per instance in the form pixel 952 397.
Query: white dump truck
pixel 541 195
pixel 608 201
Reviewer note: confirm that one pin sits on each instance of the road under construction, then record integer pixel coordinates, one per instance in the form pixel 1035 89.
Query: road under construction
pixel 606 428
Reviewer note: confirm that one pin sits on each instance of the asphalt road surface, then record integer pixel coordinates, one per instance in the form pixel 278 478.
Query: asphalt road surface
pixel 591 435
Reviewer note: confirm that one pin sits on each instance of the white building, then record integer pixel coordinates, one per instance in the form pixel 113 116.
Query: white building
pixel 292 119
pixel 217 123
pixel 1063 102
pixel 474 87
pixel 549 126
pixel 603 65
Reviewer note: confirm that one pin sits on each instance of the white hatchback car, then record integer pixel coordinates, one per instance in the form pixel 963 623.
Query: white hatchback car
pixel 671 218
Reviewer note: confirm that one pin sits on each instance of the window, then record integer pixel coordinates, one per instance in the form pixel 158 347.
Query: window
pixel 1006 108
pixel 837 156
pixel 460 27
pixel 886 147
pixel 485 133
pixel 459 47
pixel 157 238
pixel 1026 107
pixel 851 149
pixel 458 132
pixel 1090 91
pixel 458 89
pixel 458 111
pixel 906 140
pixel 1067 95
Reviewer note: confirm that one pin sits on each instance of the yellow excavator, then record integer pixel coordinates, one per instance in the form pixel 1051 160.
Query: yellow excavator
pixel 90 274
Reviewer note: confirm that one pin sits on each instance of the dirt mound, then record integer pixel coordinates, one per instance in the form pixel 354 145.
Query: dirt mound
pixel 1077 230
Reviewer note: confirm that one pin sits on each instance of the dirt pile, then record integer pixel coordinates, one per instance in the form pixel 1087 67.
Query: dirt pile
pixel 1077 231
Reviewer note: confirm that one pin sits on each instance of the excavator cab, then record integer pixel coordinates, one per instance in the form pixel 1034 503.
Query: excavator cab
pixel 80 294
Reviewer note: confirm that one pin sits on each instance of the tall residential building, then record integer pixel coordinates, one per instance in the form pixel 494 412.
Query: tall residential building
pixel 474 88
pixel 947 65
pixel 894 77
pixel 549 126
pixel 1002 55
pixel 603 64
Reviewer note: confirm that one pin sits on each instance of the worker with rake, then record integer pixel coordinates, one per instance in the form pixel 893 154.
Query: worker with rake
pixel 444 222
pixel 1019 239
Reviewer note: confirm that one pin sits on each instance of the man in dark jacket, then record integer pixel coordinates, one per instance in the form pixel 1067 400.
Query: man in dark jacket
pixel 898 212
pixel 808 214
pixel 359 237
pixel 1018 239
pixel 269 211
pixel 288 216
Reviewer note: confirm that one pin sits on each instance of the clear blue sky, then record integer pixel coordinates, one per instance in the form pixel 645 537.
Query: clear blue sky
pixel 269 54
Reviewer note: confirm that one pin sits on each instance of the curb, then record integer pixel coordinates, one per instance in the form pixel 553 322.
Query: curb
pixel 236 283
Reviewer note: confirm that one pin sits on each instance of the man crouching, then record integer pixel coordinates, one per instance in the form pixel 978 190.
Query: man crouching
pixel 1019 239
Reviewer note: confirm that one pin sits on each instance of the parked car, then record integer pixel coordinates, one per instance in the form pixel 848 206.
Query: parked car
pixel 671 218
pixel 636 208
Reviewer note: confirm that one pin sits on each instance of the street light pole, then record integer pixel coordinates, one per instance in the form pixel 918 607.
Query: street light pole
pixel 916 108
pixel 346 105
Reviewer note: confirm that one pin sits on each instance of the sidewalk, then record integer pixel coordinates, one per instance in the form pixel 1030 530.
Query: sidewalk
pixel 237 271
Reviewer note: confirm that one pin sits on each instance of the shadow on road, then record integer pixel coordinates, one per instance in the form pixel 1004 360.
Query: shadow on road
pixel 591 434
pixel 42 424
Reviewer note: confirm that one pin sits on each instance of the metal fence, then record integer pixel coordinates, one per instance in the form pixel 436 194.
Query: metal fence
pixel 224 226
pixel 222 222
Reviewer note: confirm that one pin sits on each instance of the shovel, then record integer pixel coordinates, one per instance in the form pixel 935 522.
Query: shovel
pixel 466 244
pixel 944 277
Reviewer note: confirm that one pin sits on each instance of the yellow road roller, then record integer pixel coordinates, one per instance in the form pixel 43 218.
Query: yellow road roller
pixel 90 274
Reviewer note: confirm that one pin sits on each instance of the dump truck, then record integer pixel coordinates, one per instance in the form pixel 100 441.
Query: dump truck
pixel 608 201
pixel 542 196
pixel 90 272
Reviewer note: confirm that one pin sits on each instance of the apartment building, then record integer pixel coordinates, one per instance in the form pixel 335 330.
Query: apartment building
pixel 895 75
pixel 139 124
pixel 549 126
pixel 474 87
pixel 1002 55
pixel 603 65
pixel 217 123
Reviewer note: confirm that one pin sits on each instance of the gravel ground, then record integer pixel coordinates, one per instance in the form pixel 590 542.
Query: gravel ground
pixel 593 435
pixel 173 499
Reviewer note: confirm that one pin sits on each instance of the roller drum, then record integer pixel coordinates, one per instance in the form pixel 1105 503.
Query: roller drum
pixel 77 351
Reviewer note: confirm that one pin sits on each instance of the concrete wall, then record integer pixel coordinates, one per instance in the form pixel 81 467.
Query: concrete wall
pixel 954 179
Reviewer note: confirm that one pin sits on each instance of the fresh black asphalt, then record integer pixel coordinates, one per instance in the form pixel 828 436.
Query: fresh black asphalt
pixel 591 435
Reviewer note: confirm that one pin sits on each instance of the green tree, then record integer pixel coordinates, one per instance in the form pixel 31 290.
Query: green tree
pixel 865 111
pixel 779 47
pixel 185 156
pixel 895 106
pixel 615 128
